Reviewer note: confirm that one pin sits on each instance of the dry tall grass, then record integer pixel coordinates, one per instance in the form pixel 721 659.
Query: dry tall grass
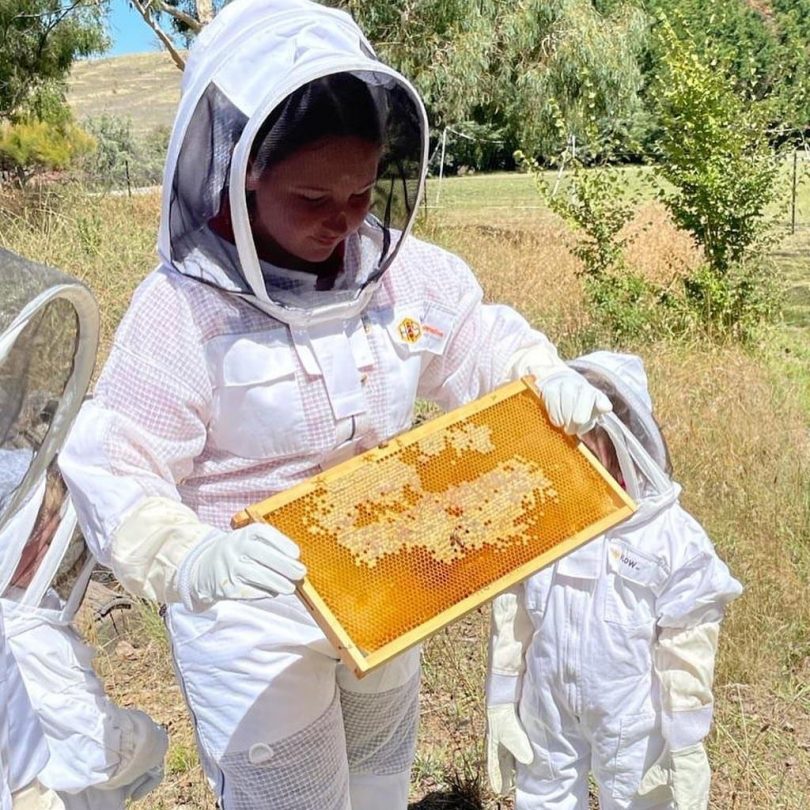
pixel 739 440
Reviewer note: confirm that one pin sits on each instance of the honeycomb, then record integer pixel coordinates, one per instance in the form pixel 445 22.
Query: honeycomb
pixel 399 535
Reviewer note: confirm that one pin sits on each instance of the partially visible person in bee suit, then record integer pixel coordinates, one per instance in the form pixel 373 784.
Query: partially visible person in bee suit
pixel 98 754
pixel 603 662
pixel 291 324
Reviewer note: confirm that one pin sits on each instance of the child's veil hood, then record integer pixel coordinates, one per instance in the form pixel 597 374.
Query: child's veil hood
pixel 623 379
pixel 242 66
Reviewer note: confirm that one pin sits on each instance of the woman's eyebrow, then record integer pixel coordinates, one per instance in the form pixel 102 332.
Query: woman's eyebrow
pixel 325 190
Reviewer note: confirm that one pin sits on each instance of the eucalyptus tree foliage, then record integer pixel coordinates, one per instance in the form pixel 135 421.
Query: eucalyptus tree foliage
pixel 177 18
pixel 537 70
pixel 572 70
pixel 39 40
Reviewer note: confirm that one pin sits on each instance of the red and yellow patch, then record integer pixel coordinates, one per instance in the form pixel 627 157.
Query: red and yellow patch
pixel 409 330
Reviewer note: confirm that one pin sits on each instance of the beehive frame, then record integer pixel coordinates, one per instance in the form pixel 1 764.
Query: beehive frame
pixel 614 503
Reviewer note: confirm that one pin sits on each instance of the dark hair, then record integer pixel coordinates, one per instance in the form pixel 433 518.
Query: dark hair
pixel 340 104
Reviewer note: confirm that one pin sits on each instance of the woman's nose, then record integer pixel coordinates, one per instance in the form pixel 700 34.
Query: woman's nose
pixel 337 223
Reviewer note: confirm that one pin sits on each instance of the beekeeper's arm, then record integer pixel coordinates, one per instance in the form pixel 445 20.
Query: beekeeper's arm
pixel 690 612
pixel 487 345
pixel 507 741
pixel 130 446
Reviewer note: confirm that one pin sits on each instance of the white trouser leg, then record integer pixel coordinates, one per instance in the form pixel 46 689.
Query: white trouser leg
pixel 625 747
pixel 557 778
pixel 380 717
pixel 260 680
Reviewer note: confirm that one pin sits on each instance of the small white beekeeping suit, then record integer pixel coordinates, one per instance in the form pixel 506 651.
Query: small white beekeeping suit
pixel 603 662
pixel 99 754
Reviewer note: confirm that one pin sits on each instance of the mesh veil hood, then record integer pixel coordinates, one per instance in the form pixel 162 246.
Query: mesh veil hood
pixel 241 69
pixel 622 378
pixel 49 328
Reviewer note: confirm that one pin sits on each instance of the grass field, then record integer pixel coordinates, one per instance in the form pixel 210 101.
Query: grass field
pixel 738 423
pixel 142 87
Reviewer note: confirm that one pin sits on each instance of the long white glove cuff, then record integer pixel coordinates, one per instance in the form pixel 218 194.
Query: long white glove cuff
pixel 684 659
pixel 142 748
pixel 541 360
pixel 510 634
pixel 149 545
pixel 502 689
pixel 687 728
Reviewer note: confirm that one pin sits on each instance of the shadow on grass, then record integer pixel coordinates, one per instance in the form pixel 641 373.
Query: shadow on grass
pixel 447 800
pixel 461 794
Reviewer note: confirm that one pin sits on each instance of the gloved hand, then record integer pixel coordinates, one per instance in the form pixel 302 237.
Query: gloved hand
pixel 507 741
pixel 253 562
pixel 145 783
pixel 685 772
pixel 572 403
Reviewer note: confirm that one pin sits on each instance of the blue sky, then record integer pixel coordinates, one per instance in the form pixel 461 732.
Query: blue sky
pixel 128 32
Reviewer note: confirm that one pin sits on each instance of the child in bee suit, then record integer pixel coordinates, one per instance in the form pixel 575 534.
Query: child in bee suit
pixel 292 324
pixel 97 753
pixel 603 661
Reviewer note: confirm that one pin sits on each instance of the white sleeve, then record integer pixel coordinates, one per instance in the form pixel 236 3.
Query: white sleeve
pixel 489 344
pixel 144 427
pixel 689 611
pixel 700 585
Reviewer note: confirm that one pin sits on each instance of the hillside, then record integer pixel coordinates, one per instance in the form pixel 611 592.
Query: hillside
pixel 144 87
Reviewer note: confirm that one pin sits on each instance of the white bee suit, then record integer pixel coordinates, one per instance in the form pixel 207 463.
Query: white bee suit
pixel 217 394
pixel 48 340
pixel 100 753
pixel 602 676
pixel 21 762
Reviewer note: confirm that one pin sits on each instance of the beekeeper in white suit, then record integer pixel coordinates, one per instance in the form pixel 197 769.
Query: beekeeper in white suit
pixel 604 661
pixel 291 324
pixel 99 754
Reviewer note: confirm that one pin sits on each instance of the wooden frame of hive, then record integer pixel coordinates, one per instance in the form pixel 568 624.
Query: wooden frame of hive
pixel 461 421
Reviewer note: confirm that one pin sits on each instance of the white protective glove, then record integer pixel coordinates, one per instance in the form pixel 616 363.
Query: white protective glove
pixel 507 742
pixel 253 562
pixel 36 797
pixel 146 783
pixel 162 551
pixel 510 633
pixel 686 773
pixel 572 403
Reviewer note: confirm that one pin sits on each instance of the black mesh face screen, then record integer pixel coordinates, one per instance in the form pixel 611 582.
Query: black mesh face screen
pixel 200 193
pixel 33 377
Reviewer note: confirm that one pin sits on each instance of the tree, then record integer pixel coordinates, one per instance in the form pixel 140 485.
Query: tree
pixel 535 70
pixel 719 174
pixel 184 17
pixel 39 40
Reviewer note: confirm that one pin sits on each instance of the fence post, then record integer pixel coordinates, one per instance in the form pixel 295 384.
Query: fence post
pixel 793 195
pixel 441 167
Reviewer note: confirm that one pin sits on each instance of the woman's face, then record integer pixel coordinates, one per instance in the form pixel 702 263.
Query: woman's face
pixel 308 203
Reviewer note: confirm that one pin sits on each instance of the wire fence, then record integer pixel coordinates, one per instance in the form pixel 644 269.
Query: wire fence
pixel 793 214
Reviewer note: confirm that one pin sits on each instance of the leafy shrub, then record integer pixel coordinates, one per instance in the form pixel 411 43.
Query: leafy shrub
pixel 121 159
pixel 30 146
pixel 717 175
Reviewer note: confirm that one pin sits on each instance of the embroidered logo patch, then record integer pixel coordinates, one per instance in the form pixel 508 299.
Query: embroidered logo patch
pixel 409 330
